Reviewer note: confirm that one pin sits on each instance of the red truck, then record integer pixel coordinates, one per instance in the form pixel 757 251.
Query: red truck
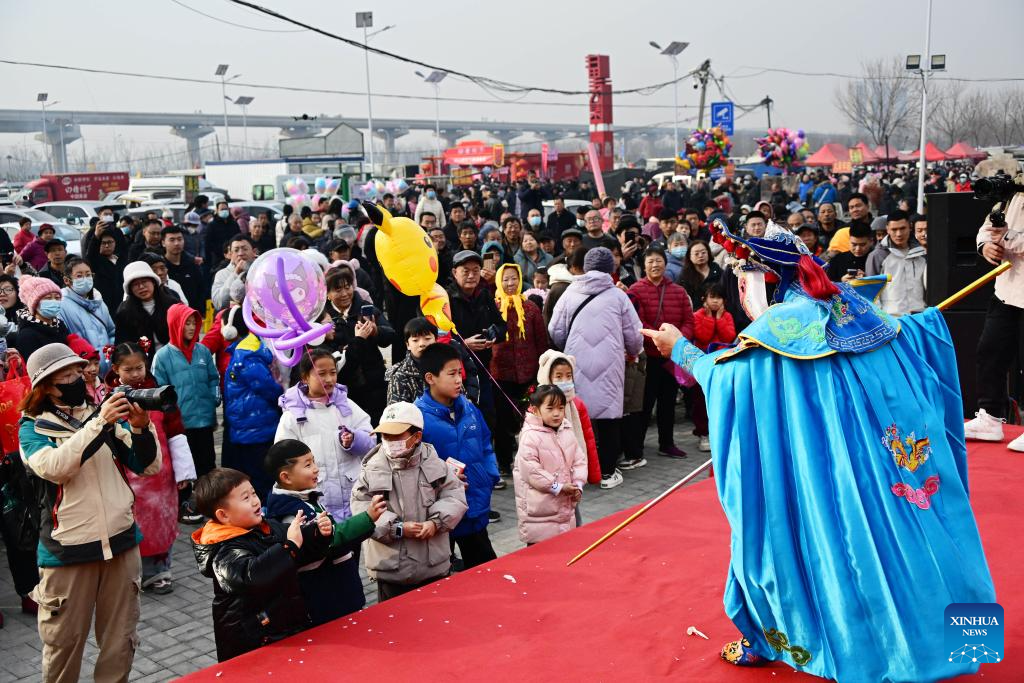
pixel 57 187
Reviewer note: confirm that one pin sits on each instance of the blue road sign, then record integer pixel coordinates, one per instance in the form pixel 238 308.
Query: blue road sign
pixel 722 115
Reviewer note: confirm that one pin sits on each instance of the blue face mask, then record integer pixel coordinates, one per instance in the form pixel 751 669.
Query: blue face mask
pixel 535 221
pixel 82 285
pixel 568 388
pixel 50 308
pixel 224 214
pixel 126 229
pixel 678 252
pixel 431 194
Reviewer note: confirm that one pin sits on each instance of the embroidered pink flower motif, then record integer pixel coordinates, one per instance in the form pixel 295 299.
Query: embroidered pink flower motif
pixel 920 497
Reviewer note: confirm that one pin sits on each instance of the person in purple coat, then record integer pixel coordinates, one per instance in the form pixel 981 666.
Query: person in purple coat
pixel 601 338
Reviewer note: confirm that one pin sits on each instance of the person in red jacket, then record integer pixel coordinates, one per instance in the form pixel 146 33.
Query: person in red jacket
pixel 712 324
pixel 658 300
pixel 650 205
pixel 514 361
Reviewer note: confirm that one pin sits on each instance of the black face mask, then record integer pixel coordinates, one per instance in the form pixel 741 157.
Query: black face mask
pixel 72 394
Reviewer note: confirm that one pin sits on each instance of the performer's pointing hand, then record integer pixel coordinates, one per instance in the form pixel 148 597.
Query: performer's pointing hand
pixel 665 338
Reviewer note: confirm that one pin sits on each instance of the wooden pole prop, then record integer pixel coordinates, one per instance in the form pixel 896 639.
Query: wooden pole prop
pixel 622 525
pixel 969 289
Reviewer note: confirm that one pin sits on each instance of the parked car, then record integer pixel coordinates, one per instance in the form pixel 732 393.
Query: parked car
pixel 254 207
pixel 177 210
pixel 68 233
pixel 77 213
pixel 570 205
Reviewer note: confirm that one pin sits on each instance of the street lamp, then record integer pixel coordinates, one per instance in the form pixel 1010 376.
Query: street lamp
pixel 244 101
pixel 222 69
pixel 41 99
pixel 435 79
pixel 364 20
pixel 672 52
pixel 936 63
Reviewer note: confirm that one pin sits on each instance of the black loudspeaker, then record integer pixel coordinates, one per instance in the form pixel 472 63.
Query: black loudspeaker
pixel 953 263
pixel 953 260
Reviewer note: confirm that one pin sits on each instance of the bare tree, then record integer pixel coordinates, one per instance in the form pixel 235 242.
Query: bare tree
pixel 882 103
pixel 958 114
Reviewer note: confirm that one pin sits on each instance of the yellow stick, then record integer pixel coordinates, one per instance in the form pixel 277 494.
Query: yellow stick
pixel 969 289
pixel 974 286
pixel 622 525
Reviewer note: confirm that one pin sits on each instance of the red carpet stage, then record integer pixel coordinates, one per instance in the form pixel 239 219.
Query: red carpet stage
pixel 621 614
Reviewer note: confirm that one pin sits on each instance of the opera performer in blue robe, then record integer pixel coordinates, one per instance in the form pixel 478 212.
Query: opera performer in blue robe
pixel 838 446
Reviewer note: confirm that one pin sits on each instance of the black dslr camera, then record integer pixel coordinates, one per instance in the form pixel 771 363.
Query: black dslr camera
pixel 158 398
pixel 997 188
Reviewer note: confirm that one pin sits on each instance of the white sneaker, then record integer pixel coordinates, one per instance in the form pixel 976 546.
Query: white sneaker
pixel 984 427
pixel 1017 444
pixel 612 480
pixel 705 445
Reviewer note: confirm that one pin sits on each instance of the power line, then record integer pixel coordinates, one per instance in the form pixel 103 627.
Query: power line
pixel 231 23
pixel 496 84
pixel 323 91
pixel 760 70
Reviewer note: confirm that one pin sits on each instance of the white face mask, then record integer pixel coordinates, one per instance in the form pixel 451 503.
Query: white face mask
pixel 397 449
pixel 568 388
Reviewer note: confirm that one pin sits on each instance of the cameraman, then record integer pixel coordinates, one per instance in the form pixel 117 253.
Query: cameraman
pixel 88 541
pixel 1000 337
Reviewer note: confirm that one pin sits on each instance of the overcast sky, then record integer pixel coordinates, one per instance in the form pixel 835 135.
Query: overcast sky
pixel 529 42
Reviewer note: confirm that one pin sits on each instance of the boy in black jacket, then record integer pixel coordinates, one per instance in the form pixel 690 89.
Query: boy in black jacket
pixel 331 585
pixel 253 563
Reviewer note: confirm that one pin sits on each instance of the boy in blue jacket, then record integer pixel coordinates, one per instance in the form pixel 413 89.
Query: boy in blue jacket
pixel 250 409
pixel 456 429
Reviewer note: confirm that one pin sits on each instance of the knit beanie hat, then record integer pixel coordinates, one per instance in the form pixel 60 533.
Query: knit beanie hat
pixel 32 289
pixel 600 259
pixel 138 269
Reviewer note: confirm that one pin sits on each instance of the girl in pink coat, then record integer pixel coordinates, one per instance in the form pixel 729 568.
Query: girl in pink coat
pixel 550 468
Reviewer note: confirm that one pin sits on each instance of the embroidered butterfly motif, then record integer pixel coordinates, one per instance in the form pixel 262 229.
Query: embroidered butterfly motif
pixel 909 452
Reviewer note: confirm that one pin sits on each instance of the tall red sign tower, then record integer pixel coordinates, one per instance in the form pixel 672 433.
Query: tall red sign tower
pixel 601 134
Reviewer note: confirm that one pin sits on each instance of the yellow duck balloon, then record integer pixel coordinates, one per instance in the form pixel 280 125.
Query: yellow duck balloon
pixel 405 252
pixel 437 309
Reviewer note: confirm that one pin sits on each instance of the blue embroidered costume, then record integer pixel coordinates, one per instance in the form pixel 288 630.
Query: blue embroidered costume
pixel 838 445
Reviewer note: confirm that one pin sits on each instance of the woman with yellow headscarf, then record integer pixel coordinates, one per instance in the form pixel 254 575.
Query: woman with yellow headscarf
pixel 515 361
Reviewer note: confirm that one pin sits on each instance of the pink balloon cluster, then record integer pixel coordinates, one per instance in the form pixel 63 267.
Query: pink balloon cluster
pixel 784 148
pixel 298 191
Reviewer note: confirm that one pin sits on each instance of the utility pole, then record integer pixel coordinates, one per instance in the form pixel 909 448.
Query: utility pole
pixel 364 20
pixel 702 78
pixel 924 109
pixel 767 103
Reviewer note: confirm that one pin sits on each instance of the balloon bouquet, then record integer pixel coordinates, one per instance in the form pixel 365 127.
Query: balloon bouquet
pixel 285 290
pixel 298 191
pixel 705 149
pixel 784 148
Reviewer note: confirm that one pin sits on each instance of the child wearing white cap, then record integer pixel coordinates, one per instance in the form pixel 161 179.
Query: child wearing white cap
pixel 409 546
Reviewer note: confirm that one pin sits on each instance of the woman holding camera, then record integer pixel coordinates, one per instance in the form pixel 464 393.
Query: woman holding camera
pixel 88 541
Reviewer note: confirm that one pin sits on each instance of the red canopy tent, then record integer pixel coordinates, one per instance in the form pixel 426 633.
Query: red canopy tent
pixel 962 150
pixel 889 153
pixel 830 153
pixel 931 153
pixel 868 155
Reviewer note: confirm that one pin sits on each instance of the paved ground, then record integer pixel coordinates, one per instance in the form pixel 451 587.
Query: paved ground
pixel 176 631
